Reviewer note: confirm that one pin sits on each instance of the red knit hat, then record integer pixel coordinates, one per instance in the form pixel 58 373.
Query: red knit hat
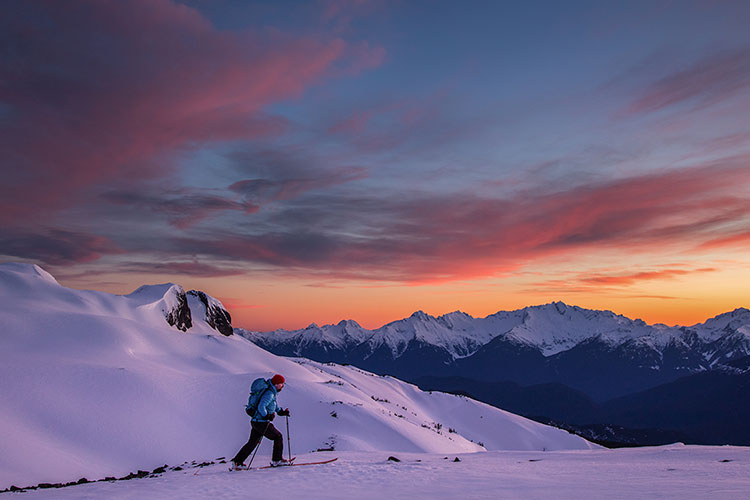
pixel 277 379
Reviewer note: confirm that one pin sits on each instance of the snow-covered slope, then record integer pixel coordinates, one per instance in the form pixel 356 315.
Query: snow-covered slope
pixel 674 472
pixel 96 384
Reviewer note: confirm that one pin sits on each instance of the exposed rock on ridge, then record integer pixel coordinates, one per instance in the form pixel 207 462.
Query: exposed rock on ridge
pixel 216 315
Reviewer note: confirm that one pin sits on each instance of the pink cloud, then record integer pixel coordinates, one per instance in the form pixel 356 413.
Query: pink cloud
pixel 737 240
pixel 462 236
pixel 467 237
pixel 56 246
pixel 107 90
pixel 633 278
pixel 356 123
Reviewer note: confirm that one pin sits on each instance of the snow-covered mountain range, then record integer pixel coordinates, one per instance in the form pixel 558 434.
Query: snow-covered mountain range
pixel 97 385
pixel 599 352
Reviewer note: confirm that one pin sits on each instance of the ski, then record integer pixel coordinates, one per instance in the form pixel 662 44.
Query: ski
pixel 296 464
pixel 232 468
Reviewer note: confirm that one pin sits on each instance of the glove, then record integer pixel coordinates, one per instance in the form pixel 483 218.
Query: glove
pixel 283 413
pixel 270 416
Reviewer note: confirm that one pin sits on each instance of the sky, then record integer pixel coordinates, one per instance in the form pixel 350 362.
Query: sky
pixel 313 161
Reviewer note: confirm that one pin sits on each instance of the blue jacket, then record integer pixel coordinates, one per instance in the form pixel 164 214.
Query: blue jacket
pixel 267 404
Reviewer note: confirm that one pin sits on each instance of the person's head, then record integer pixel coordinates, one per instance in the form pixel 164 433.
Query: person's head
pixel 278 381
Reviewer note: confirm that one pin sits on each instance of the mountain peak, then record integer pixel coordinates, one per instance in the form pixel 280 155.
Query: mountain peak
pixel 421 316
pixel 28 270
pixel 155 292
pixel 558 307
pixel 348 323
pixel 740 311
pixel 455 315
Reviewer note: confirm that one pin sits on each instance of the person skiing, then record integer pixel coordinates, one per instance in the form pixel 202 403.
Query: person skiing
pixel 262 407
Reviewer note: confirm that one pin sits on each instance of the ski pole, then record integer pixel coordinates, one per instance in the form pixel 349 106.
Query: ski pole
pixel 258 445
pixel 288 440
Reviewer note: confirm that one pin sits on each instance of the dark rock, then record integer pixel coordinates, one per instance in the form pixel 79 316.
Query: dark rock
pixel 135 475
pixel 180 317
pixel 160 470
pixel 394 459
pixel 217 317
pixel 456 459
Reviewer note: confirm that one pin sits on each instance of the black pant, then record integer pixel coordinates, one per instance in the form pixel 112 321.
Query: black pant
pixel 258 429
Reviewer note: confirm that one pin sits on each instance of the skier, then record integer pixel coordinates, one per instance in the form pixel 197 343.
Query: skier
pixel 262 407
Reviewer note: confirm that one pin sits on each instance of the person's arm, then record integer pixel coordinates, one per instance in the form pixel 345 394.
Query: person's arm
pixel 263 404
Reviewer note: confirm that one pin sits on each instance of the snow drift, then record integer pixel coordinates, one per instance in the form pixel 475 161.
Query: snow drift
pixel 95 384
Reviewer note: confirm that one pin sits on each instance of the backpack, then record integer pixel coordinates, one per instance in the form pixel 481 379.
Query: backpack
pixel 257 389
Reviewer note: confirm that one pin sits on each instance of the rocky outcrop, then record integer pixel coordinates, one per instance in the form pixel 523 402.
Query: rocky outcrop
pixel 178 312
pixel 216 315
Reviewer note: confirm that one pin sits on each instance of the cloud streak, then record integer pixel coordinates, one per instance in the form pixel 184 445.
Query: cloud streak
pixel 56 246
pixel 268 190
pixel 707 81
pixel 597 280
pixel 732 241
pixel 413 237
pixel 182 208
pixel 423 239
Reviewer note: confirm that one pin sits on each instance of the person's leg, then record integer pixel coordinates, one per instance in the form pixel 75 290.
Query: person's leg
pixel 278 442
pixel 255 433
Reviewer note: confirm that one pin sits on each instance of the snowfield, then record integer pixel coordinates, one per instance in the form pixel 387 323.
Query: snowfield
pixel 672 472
pixel 97 385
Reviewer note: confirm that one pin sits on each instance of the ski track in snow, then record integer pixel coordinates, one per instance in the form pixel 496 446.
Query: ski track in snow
pixel 670 472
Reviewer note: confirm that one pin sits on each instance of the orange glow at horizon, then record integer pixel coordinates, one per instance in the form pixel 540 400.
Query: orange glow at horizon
pixel 675 295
